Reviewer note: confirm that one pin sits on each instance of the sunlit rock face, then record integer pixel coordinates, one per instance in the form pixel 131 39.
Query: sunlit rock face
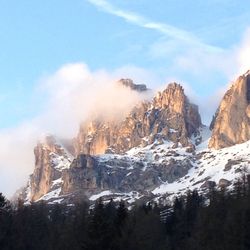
pixel 231 124
pixel 50 159
pixel 164 125
pixel 169 116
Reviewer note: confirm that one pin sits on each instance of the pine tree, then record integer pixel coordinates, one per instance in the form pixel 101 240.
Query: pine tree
pixel 5 223
pixel 121 216
pixel 98 234
pixel 3 202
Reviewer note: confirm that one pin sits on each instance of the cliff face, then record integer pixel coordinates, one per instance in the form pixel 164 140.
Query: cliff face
pixel 50 160
pixel 231 124
pixel 166 122
pixel 92 174
pixel 169 116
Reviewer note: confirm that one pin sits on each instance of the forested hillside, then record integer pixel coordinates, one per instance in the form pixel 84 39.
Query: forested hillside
pixel 193 222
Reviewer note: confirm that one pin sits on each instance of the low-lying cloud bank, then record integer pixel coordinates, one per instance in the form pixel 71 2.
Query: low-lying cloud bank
pixel 70 95
pixel 74 93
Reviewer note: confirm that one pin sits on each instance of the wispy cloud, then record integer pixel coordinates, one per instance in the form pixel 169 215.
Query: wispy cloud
pixel 243 54
pixel 163 28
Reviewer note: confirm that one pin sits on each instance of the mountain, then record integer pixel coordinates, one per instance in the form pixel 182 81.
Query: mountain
pixel 50 160
pixel 231 124
pixel 158 150
pixel 169 116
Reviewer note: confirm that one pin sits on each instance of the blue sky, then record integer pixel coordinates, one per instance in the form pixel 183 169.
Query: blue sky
pixel 52 52
pixel 38 37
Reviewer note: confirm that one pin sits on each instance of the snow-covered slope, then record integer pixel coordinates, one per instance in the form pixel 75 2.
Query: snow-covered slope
pixel 218 168
pixel 157 172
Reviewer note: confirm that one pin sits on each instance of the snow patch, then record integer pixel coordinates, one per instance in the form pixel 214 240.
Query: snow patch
pixel 97 196
pixel 52 194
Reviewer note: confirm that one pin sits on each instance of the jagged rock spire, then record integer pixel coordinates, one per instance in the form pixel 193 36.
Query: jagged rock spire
pixel 231 124
pixel 169 115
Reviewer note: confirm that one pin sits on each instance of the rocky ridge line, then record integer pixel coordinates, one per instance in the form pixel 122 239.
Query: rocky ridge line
pixel 169 116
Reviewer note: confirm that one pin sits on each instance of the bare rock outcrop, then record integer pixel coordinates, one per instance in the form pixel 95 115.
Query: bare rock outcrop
pixel 223 183
pixel 130 84
pixel 50 160
pixel 231 124
pixel 92 174
pixel 168 116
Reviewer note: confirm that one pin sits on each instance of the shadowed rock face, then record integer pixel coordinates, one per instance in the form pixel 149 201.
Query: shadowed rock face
pixel 248 89
pixel 130 84
pixel 231 125
pixel 89 175
pixel 169 115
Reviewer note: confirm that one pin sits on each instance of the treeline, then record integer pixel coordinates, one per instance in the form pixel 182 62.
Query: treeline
pixel 220 221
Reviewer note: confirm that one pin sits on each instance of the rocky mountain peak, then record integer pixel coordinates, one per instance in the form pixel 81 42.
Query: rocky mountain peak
pixel 174 99
pixel 231 124
pixel 167 98
pixel 169 116
pixel 169 120
pixel 130 84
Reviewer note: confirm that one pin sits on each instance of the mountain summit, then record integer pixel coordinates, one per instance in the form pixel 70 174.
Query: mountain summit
pixel 158 150
pixel 102 145
pixel 231 124
pixel 169 116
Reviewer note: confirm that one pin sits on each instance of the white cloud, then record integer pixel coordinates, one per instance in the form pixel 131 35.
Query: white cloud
pixel 188 52
pixel 199 62
pixel 163 28
pixel 16 156
pixel 192 59
pixel 74 92
pixel 243 54
pixel 182 51
pixel 71 94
